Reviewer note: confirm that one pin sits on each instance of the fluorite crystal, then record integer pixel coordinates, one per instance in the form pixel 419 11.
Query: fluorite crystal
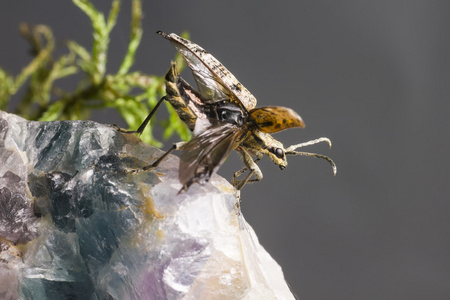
pixel 77 223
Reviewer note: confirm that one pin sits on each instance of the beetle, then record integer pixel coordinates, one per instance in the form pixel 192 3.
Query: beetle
pixel 223 116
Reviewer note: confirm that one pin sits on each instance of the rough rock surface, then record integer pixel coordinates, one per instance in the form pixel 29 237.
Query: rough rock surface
pixel 75 225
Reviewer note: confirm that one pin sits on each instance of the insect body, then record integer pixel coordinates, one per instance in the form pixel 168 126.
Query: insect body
pixel 223 117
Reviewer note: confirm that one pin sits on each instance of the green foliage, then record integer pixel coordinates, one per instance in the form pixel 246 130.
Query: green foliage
pixel 133 94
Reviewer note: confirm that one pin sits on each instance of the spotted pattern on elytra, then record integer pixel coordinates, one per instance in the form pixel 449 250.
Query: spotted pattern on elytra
pixel 240 92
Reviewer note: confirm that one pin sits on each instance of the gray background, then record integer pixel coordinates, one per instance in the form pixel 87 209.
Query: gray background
pixel 371 76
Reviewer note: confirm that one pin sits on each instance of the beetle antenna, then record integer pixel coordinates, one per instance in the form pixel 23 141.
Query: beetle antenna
pixel 291 151
pixel 309 143
pixel 315 155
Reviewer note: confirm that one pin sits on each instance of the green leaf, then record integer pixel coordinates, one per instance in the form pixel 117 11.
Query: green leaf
pixel 53 112
pixel 101 35
pixel 6 82
pixel 135 38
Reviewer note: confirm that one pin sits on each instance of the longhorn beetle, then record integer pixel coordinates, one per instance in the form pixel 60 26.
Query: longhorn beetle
pixel 223 116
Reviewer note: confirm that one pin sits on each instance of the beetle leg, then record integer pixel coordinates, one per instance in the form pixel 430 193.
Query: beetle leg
pixel 176 146
pixel 242 171
pixel 238 173
pixel 145 123
pixel 249 165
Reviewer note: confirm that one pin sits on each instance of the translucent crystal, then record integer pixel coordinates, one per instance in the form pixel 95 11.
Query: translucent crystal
pixel 77 223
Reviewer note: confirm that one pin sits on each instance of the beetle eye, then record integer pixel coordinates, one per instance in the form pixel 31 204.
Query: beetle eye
pixel 278 152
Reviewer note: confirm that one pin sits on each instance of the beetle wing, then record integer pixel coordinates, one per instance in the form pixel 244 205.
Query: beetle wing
pixel 202 156
pixel 209 86
pixel 214 81
pixel 272 119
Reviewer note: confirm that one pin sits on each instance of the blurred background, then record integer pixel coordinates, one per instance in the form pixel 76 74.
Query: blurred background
pixel 373 76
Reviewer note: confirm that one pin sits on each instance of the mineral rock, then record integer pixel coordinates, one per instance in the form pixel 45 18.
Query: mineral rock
pixel 77 223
